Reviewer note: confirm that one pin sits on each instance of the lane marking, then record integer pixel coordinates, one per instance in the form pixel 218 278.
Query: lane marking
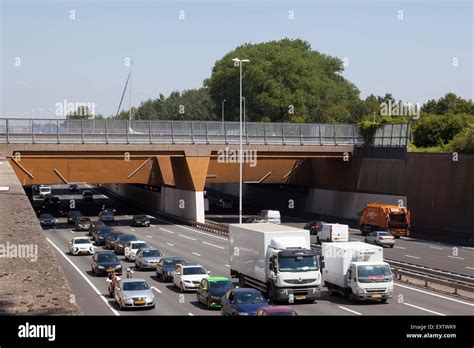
pixel 469 267
pixel 84 276
pixel 227 266
pixel 398 247
pixel 196 254
pixel 127 216
pixel 182 235
pixel 437 248
pixel 149 236
pixel 456 257
pixel 191 314
pixel 423 309
pixel 164 229
pixel 349 310
pixel 72 231
pixel 215 246
pixel 133 230
pixel 170 244
pixel 152 225
pixel 435 295
pixel 156 289
pixel 414 257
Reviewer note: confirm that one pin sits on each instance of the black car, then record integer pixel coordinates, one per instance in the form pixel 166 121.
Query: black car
pixel 104 262
pixel 83 223
pixel 211 290
pixel 111 239
pixel 94 227
pixel 101 235
pixel 167 265
pixel 141 220
pixel 108 207
pixel 87 195
pixel 73 188
pixel 51 203
pixel 47 220
pixel 122 242
pixel 72 216
pixel 314 227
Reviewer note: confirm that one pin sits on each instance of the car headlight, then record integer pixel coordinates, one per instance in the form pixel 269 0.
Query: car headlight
pixel 101 267
pixel 188 281
pixel 127 298
pixel 243 313
pixel 145 262
pixel 118 266
pixel 360 290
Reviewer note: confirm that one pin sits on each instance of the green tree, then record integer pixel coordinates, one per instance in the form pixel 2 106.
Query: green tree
pixel 285 81
pixel 449 104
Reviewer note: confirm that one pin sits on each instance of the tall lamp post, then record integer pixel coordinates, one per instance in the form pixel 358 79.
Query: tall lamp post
pixel 240 62
pixel 223 115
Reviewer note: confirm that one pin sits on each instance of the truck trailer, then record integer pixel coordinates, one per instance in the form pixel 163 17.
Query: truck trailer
pixel 356 270
pixel 275 259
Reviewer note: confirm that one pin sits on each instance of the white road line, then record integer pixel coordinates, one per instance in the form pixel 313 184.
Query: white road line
pixel 127 216
pixel 149 236
pixel 170 244
pixel 219 216
pixel 83 276
pixel 437 248
pixel 469 267
pixel 435 295
pixel 152 225
pixel 350 310
pixel 164 229
pixel 414 257
pixel 156 289
pixel 423 309
pixel 215 246
pixel 72 231
pixel 182 235
pixel 191 314
pixel 456 257
pixel 132 229
pixel 196 254
pixel 227 266
pixel 398 247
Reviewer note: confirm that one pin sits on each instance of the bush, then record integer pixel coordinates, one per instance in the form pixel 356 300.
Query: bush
pixel 464 141
pixel 433 130
pixel 368 129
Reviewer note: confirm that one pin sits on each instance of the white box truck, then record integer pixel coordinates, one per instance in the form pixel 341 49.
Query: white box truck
pixel 356 270
pixel 333 233
pixel 275 259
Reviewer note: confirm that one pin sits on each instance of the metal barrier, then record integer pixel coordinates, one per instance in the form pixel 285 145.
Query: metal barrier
pixel 108 131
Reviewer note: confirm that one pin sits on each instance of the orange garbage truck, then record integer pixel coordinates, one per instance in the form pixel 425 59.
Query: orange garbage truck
pixel 382 217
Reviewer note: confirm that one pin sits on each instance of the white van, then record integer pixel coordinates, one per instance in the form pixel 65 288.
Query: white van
pixel 333 233
pixel 44 190
pixel 272 216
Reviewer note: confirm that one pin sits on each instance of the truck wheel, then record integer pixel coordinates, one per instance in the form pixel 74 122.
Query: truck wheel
pixel 352 297
pixel 241 281
pixel 384 300
pixel 331 291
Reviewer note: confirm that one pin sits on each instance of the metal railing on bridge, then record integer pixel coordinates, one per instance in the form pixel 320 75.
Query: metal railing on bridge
pixel 61 131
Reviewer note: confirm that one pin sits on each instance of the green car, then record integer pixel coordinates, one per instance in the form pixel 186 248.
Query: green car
pixel 211 290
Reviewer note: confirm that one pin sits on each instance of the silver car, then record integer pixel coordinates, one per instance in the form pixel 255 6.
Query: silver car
pixel 147 258
pixel 134 293
pixel 106 216
pixel 381 238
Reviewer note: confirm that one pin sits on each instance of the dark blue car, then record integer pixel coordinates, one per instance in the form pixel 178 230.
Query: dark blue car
pixel 242 301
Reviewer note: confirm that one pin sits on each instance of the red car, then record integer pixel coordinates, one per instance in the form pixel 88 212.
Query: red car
pixel 277 311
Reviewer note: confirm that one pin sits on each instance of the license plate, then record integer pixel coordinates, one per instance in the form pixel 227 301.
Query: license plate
pixel 153 264
pixel 376 296
pixel 139 302
pixel 300 297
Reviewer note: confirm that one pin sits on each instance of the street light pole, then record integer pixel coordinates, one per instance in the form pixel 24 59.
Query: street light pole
pixel 240 61
pixel 223 115
pixel 244 110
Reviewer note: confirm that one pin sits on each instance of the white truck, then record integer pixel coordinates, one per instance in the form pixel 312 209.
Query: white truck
pixel 356 270
pixel 333 233
pixel 275 259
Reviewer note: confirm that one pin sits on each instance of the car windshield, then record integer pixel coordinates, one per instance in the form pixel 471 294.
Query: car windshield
pixel 373 273
pixel 140 217
pixel 398 217
pixel 151 253
pixel 84 220
pixel 298 263
pixel 107 258
pixel 126 238
pixel 220 285
pixel 46 217
pixel 74 213
pixel 134 286
pixel 115 236
pixel 82 241
pixel 106 212
pixel 384 234
pixel 172 263
pixel 193 270
pixel 139 245
pixel 248 298
pixel 105 231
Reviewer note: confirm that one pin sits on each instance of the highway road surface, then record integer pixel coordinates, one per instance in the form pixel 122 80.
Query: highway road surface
pixel 211 251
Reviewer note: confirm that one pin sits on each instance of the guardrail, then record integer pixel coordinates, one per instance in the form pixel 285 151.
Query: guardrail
pixel 55 131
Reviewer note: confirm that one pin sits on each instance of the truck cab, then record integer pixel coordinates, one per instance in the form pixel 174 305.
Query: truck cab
pixel 370 281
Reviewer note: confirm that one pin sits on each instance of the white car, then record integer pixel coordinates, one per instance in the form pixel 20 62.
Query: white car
pixel 81 245
pixel 44 190
pixel 187 276
pixel 132 247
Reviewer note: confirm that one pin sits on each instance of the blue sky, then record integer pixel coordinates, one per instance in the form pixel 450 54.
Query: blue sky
pixel 82 59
